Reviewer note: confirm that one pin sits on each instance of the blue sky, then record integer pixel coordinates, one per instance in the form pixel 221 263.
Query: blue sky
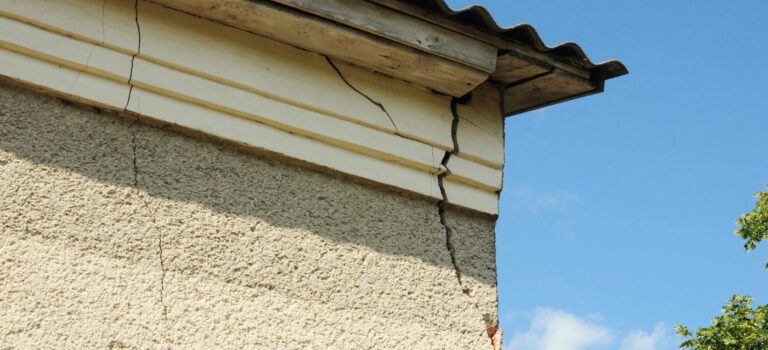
pixel 618 209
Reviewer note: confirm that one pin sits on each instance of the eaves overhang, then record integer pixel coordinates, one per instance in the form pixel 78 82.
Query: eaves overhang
pixel 424 42
pixel 396 93
pixel 532 74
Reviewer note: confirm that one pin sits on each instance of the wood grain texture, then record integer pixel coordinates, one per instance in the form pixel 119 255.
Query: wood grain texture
pixel 399 27
pixel 329 38
pixel 548 89
pixel 501 43
pixel 514 68
pixel 234 57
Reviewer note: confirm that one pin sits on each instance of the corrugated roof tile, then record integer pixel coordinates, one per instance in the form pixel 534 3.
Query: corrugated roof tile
pixel 480 18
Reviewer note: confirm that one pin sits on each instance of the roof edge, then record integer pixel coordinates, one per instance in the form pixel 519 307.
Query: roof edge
pixel 481 20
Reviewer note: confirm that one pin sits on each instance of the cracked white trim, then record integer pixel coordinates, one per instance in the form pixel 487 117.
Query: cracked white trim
pixel 133 57
pixel 490 326
pixel 445 201
pixel 247 90
pixel 377 103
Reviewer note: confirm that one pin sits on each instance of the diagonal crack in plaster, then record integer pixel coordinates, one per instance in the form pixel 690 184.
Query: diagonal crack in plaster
pixel 491 326
pixel 377 103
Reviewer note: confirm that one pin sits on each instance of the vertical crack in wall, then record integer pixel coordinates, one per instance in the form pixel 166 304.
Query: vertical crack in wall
pixel 491 326
pixel 162 274
pixel 376 103
pixel 441 183
pixel 134 146
pixel 133 57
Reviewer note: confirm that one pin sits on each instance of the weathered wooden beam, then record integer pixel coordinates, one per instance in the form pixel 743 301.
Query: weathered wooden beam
pixel 544 90
pixel 501 43
pixel 515 67
pixel 402 28
pixel 314 33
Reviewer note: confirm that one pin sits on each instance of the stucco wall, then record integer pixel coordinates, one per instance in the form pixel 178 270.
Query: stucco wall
pixel 114 234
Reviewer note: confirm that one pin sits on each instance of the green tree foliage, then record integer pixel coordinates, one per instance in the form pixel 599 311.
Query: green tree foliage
pixel 754 225
pixel 739 328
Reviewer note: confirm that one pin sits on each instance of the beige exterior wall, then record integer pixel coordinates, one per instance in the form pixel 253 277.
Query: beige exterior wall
pixel 116 235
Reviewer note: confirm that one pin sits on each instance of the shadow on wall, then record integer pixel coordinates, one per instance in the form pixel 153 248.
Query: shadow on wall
pixel 111 150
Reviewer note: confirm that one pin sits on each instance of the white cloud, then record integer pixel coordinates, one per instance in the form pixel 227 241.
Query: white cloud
pixel 640 340
pixel 537 201
pixel 559 330
pixel 541 115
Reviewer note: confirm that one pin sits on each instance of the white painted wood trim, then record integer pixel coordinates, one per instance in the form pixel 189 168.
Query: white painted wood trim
pixel 471 197
pixel 337 40
pixel 108 23
pixel 257 135
pixel 235 91
pixel 213 95
pixel 77 85
pixel 480 132
pixel 474 174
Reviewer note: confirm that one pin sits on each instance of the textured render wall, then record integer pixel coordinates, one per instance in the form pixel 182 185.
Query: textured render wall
pixel 118 235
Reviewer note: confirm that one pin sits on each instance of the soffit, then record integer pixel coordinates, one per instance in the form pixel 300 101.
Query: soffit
pixel 533 74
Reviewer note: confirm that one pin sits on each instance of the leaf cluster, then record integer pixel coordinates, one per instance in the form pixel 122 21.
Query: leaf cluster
pixel 740 327
pixel 754 225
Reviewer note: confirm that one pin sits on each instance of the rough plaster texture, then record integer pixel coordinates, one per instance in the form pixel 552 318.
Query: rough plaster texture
pixel 476 259
pixel 118 235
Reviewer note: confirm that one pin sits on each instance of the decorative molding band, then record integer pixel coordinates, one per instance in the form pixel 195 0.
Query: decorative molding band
pixel 256 92
pixel 446 61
